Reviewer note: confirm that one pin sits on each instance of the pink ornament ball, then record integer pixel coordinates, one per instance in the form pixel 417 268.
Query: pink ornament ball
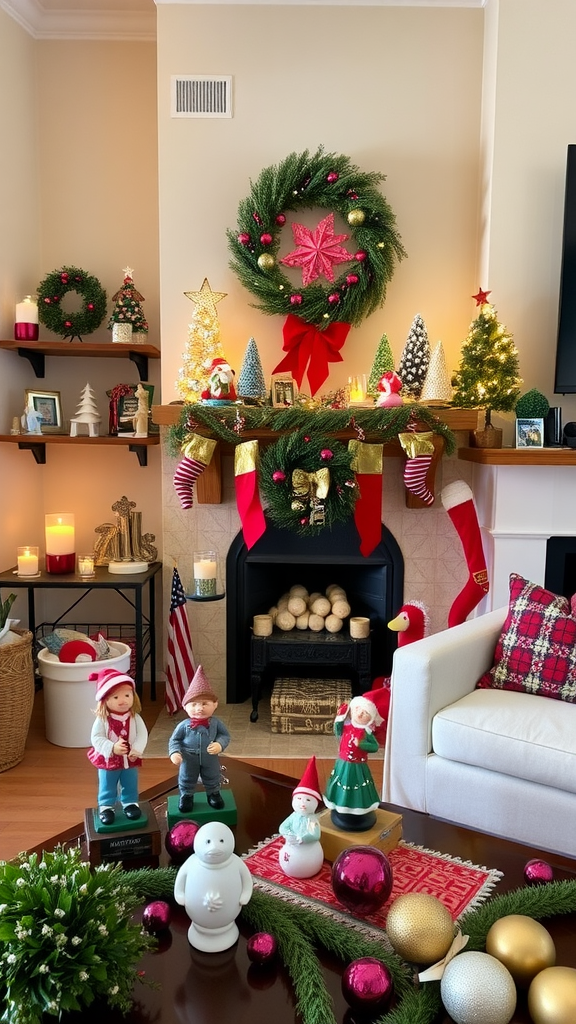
pixel 278 476
pixel 367 986
pixel 352 194
pixel 362 879
pixel 281 220
pixel 326 455
pixel 266 238
pixel 332 177
pixel 296 300
pixel 538 872
pixel 156 916
pixel 244 238
pixel 179 840
pixel 352 279
pixel 361 255
pixel 333 298
pixel 261 948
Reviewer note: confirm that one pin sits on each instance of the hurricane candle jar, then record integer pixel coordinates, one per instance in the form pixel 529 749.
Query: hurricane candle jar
pixel 60 554
pixel 28 561
pixel 205 576
pixel 26 321
pixel 86 566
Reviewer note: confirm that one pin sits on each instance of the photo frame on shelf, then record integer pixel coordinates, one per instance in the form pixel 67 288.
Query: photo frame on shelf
pixel 283 390
pixel 530 433
pixel 47 405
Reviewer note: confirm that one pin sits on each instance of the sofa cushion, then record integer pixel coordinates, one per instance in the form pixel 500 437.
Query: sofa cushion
pixel 515 734
pixel 536 650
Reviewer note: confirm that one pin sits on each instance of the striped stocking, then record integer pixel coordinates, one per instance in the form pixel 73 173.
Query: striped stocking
pixel 197 452
pixel 415 471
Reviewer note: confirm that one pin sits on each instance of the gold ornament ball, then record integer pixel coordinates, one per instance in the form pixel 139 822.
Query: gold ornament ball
pixel 420 928
pixel 523 945
pixel 266 261
pixel 356 217
pixel 552 996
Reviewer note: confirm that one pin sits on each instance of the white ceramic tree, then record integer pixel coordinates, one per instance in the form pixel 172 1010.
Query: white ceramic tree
pixel 87 412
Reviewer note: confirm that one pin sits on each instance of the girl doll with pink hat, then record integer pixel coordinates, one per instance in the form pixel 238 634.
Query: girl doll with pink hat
pixel 119 737
pixel 350 792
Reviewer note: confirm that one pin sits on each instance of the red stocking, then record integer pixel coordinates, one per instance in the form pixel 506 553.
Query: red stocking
pixel 458 501
pixel 197 454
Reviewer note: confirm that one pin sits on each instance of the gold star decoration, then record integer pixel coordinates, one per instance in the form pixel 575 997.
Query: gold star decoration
pixel 206 299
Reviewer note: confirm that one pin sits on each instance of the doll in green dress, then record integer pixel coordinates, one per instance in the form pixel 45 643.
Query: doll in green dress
pixel 350 791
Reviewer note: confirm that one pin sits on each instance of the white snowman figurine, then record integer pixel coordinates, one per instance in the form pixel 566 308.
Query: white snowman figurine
pixel 213 885
pixel 301 855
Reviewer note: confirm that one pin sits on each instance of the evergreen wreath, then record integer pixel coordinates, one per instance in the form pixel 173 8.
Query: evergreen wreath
pixel 300 932
pixel 307 509
pixel 51 292
pixel 330 181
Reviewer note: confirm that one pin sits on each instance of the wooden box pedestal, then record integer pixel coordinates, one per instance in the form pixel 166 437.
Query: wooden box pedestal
pixel 385 834
pixel 133 843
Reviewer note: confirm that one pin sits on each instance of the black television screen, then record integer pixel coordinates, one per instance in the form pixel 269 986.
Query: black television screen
pixel 565 378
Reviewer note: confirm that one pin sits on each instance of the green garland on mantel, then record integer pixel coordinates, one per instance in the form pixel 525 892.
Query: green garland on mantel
pixel 230 422
pixel 299 932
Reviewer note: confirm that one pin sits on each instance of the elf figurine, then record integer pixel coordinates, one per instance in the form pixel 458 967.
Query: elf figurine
pixel 220 382
pixel 350 792
pixel 302 856
pixel 119 737
pixel 195 744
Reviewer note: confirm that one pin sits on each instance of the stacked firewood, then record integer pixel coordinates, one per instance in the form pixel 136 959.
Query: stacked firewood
pixel 300 610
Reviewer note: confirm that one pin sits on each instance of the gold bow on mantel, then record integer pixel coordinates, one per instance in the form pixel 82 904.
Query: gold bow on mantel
pixel 310 489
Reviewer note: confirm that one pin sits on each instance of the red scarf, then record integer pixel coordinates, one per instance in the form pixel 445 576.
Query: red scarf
pixel 195 722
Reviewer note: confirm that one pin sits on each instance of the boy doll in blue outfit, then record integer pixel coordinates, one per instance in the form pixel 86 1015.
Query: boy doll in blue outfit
pixel 195 744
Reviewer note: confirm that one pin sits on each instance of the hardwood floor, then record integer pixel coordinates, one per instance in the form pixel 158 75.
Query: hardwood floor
pixel 49 790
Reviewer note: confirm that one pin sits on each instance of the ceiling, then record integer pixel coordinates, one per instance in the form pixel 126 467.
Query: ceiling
pixel 136 19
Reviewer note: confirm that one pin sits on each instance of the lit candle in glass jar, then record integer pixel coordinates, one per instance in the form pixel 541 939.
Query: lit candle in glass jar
pixel 28 561
pixel 86 566
pixel 59 529
pixel 205 573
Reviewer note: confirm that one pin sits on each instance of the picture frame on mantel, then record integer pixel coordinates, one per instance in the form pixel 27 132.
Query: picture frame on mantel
pixel 283 390
pixel 530 433
pixel 48 406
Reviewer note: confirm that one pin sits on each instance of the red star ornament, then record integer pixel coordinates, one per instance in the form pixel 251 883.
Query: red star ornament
pixel 317 250
pixel 481 297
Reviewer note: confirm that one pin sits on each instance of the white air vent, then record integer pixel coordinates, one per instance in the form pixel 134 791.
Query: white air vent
pixel 201 96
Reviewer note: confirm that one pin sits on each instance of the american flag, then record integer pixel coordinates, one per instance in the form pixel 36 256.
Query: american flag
pixel 180 666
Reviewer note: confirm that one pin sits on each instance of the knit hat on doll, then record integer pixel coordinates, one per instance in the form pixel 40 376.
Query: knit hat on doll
pixel 199 687
pixel 309 783
pixel 108 679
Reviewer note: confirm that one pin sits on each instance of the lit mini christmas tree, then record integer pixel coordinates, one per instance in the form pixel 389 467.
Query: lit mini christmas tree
pixel 415 359
pixel 383 363
pixel 128 309
pixel 203 343
pixel 251 382
pixel 488 374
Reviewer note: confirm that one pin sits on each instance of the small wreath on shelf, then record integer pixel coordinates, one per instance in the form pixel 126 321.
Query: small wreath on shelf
pixel 51 292
pixel 308 483
pixel 330 181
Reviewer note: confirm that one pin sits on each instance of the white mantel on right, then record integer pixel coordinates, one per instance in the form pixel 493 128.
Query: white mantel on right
pixel 522 498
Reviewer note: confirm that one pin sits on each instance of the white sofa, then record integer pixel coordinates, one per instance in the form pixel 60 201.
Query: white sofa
pixel 494 760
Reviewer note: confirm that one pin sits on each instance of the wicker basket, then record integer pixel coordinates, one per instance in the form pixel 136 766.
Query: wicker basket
pixel 16 697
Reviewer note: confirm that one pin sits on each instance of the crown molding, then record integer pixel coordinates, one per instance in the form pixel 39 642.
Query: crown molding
pixel 42 23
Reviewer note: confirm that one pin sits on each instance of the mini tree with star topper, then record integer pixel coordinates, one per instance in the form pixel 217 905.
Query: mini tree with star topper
pixel 128 322
pixel 487 377
pixel 203 345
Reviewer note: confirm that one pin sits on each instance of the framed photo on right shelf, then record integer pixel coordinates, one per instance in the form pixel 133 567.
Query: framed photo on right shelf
pixel 530 433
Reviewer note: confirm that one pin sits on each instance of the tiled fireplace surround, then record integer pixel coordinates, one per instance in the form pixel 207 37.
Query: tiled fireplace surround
pixel 519 508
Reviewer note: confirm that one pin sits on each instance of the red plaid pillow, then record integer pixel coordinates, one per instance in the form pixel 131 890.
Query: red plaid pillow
pixel 536 650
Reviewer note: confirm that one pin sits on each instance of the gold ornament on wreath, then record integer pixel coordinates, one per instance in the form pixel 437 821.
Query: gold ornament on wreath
pixel 308 482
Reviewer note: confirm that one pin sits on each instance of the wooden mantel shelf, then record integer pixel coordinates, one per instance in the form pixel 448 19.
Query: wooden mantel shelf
pixel 209 483
pixel 519 456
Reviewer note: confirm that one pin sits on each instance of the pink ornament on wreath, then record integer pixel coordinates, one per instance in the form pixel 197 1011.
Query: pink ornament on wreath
pixel 266 238
pixel 278 476
pixel 326 454
pixel 332 177
pixel 360 255
pixel 296 300
pixel 244 238
pixel 352 279
pixel 333 298
pixel 281 219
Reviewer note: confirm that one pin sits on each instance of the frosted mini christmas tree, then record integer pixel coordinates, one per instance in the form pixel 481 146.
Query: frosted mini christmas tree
pixel 203 345
pixel 415 359
pixel 251 382
pixel 87 412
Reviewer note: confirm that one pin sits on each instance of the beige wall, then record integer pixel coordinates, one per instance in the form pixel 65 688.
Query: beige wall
pixel 398 90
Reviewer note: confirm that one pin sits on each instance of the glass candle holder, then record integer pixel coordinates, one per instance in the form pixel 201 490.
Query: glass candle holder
pixel 26 320
pixel 27 560
pixel 86 566
pixel 59 530
pixel 205 576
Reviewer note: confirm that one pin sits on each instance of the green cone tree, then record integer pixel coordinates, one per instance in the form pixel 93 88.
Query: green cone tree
pixel 488 376
pixel 251 380
pixel 383 363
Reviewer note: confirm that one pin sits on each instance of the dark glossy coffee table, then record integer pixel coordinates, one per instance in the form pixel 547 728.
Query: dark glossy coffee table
pixel 225 988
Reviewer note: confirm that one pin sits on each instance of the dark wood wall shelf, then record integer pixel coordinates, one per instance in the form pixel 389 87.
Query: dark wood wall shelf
pixel 36 443
pixel 519 456
pixel 35 352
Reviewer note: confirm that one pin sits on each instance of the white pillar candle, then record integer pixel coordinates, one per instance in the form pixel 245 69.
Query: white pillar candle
pixel 205 569
pixel 59 533
pixel 27 561
pixel 27 311
pixel 205 573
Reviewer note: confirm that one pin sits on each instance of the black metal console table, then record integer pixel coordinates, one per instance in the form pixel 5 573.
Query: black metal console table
pixel 123 584
pixel 305 647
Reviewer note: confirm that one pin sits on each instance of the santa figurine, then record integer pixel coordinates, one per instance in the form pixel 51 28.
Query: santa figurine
pixel 220 382
pixel 389 387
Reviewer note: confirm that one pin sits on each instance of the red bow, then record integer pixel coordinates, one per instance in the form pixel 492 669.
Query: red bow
pixel 195 722
pixel 308 347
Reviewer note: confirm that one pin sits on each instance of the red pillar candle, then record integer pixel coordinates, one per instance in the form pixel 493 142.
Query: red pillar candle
pixel 60 554
pixel 26 322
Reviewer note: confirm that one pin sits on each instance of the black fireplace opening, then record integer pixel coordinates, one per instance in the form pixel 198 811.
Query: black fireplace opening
pixel 560 570
pixel 257 578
